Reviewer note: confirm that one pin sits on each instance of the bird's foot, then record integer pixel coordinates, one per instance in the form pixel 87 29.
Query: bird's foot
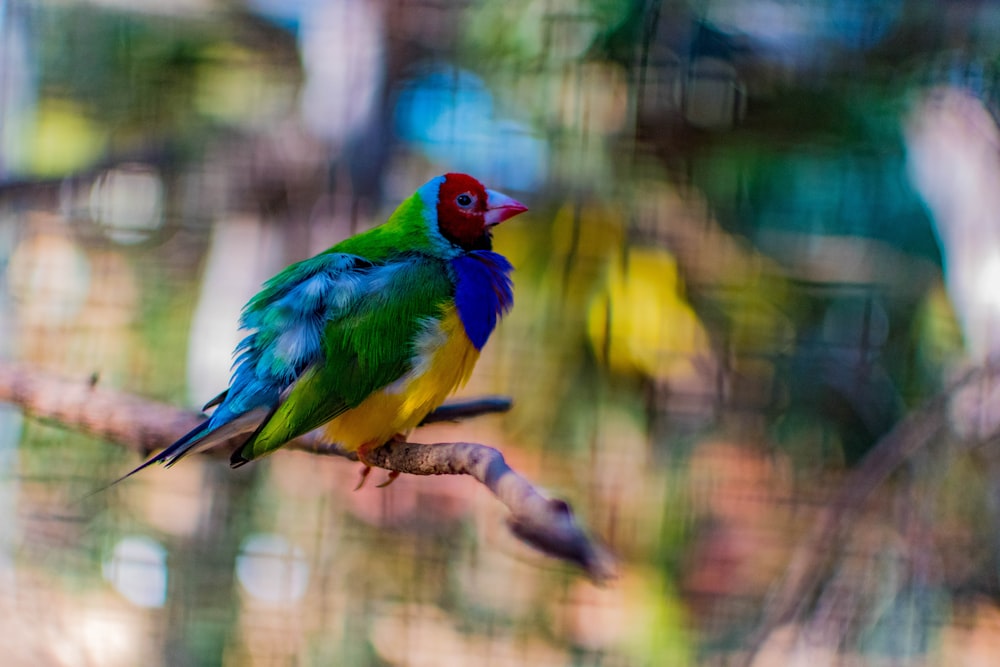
pixel 364 475
pixel 363 452
pixel 393 474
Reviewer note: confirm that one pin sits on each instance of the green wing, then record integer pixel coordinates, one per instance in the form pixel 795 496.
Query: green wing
pixel 368 344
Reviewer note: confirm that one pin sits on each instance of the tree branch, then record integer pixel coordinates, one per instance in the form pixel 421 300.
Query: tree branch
pixel 144 426
pixel 916 432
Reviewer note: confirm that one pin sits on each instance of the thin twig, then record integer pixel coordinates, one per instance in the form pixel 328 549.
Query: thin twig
pixel 913 434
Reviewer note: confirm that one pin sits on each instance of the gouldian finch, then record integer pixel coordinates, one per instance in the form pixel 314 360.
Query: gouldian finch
pixel 368 337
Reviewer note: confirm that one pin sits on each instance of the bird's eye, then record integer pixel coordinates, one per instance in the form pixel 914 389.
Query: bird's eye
pixel 464 200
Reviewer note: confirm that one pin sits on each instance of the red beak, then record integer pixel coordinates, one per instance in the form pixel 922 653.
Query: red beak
pixel 500 207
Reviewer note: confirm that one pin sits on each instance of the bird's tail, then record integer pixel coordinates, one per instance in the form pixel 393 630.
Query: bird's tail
pixel 171 454
pixel 205 435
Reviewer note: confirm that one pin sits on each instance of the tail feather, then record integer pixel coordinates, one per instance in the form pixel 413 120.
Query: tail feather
pixel 172 453
pixel 175 451
pixel 216 401
pixel 239 458
pixel 203 436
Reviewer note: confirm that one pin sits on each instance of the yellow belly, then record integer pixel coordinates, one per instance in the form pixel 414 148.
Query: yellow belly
pixel 445 359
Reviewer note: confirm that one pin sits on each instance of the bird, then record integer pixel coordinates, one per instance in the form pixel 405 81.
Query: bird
pixel 366 338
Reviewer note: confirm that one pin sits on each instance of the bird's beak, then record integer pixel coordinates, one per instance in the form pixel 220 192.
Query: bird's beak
pixel 500 207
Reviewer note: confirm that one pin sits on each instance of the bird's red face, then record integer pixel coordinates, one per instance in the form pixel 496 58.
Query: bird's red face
pixel 467 210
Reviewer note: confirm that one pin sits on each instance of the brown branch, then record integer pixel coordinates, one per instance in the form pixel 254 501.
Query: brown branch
pixel 144 426
pixel 913 434
pixel 458 410
pixel 545 523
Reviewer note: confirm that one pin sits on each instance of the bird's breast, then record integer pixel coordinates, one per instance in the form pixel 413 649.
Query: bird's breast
pixel 443 360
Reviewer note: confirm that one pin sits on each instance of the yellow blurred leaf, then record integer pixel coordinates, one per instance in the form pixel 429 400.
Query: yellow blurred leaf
pixel 640 321
pixel 66 140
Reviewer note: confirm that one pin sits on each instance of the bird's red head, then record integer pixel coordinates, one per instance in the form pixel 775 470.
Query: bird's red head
pixel 466 211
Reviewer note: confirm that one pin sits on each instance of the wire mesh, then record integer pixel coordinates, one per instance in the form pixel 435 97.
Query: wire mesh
pixel 760 239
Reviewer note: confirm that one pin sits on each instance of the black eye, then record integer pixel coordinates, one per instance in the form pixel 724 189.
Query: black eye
pixel 463 200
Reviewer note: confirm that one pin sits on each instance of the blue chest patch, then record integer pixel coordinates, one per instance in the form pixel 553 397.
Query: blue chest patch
pixel 483 292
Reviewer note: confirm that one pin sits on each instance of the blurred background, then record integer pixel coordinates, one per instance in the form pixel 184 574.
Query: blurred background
pixel 761 233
